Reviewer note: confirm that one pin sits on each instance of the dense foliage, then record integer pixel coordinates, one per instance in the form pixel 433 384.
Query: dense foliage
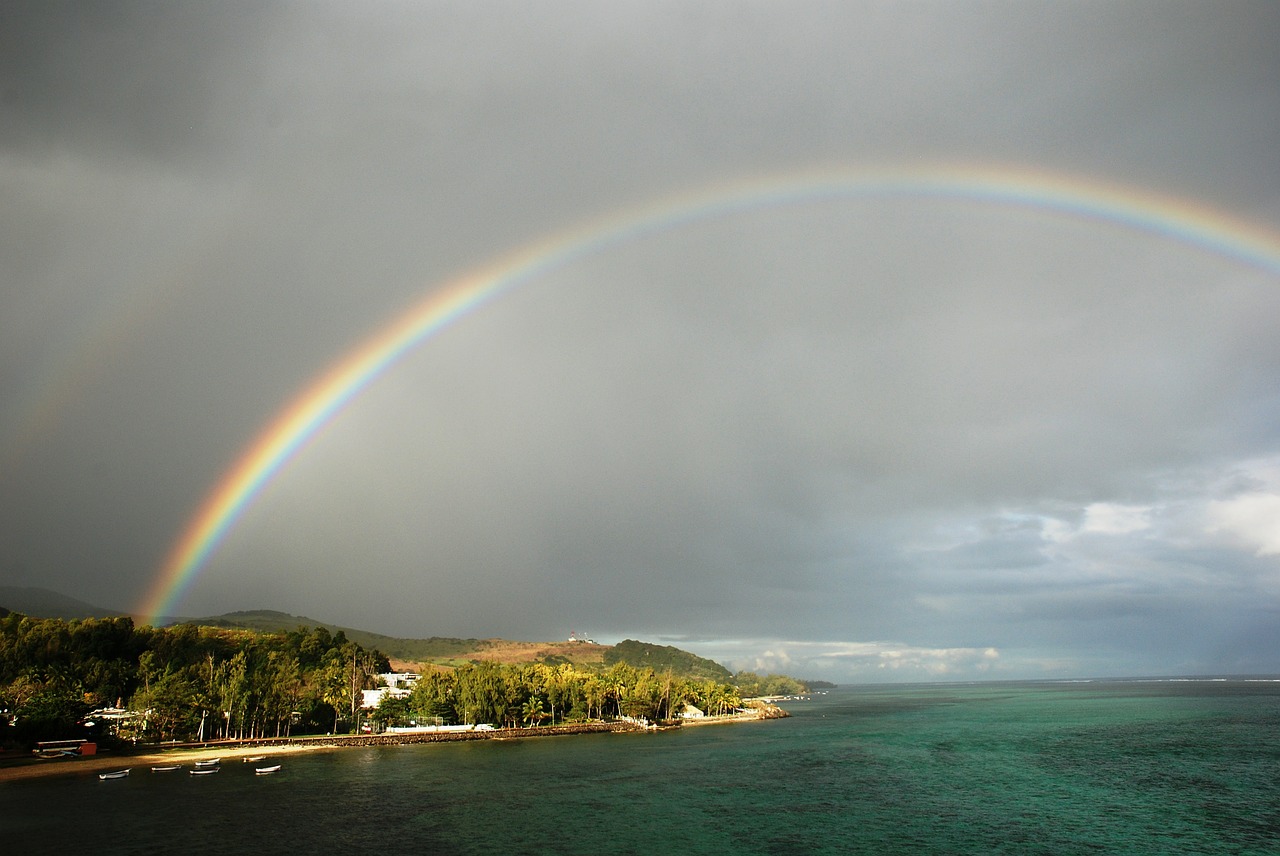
pixel 545 694
pixel 662 658
pixel 190 682
pixel 751 685
pixel 195 682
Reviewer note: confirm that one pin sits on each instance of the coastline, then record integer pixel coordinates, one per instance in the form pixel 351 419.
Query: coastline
pixel 142 759
pixel 724 719
pixel 21 768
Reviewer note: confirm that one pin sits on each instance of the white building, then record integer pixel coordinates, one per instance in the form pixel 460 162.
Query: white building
pixel 370 699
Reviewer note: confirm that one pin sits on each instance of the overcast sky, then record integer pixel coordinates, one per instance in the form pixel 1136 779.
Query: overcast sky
pixel 858 438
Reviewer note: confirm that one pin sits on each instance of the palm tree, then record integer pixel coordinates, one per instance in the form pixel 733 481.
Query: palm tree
pixel 531 711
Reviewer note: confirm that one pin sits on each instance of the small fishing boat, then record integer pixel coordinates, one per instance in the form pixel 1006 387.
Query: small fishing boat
pixel 253 758
pixel 212 762
pixel 266 771
pixel 118 774
pixel 205 771
pixel 168 769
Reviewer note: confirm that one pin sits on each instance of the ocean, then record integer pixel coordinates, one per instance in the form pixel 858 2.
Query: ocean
pixel 1132 767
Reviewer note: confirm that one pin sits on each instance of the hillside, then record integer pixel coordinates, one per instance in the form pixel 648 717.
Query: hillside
pixel 43 603
pixel 403 653
pixel 413 653
pixel 662 658
pixel 433 649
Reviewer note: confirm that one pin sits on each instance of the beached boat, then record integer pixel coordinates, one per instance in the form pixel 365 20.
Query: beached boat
pixel 266 771
pixel 168 769
pixel 205 771
pixel 47 754
pixel 212 762
pixel 118 774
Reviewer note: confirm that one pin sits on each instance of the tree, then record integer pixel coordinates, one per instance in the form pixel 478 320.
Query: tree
pixel 169 704
pixel 393 711
pixel 531 712
pixel 335 689
pixel 232 688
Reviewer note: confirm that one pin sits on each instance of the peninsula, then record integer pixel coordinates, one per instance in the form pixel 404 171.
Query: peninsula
pixel 202 687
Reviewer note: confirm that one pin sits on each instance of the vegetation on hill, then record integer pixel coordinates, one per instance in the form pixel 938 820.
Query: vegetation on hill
pixel 448 652
pixel 665 658
pixel 202 682
pixel 751 685
pixel 193 682
pixel 432 650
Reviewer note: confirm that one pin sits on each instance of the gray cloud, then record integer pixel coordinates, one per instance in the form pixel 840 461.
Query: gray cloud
pixel 928 426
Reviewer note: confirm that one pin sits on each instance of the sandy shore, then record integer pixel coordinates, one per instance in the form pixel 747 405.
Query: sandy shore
pixel 142 762
pixel 753 716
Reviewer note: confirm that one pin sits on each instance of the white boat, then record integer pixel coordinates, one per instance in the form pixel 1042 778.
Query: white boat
pixel 118 774
pixel 212 762
pixel 253 758
pixel 168 769
pixel 205 771
pixel 264 771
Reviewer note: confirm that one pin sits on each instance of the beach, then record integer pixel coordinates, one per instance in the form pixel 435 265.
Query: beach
pixel 145 759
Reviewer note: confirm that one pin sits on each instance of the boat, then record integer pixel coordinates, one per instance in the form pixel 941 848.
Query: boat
pixel 117 774
pixel 205 771
pixel 168 769
pixel 47 754
pixel 265 771
pixel 212 762
pixel 253 758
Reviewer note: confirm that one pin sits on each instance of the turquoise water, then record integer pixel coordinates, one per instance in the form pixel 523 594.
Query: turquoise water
pixel 1105 767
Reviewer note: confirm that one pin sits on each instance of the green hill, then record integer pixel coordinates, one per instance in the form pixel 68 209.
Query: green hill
pixel 662 658
pixel 435 648
pixel 445 651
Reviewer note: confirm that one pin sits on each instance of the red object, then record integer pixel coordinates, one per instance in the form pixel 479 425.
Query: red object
pixel 88 748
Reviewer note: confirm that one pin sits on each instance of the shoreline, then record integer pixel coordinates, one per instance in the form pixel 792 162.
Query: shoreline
pixel 143 758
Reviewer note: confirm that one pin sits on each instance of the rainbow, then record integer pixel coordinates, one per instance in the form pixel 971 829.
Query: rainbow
pixel 1180 220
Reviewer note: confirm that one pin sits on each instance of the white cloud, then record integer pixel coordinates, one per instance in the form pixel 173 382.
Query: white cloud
pixel 1099 518
pixel 858 661
pixel 1253 518
pixel 1113 519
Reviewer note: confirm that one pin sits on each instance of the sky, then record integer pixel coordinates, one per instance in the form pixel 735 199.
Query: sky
pixel 858 436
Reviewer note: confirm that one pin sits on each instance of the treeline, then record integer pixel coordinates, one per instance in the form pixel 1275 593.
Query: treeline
pixel 191 682
pixel 545 694
pixel 751 685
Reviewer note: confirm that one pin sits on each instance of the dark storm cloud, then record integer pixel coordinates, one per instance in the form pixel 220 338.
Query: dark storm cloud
pixel 126 80
pixel 900 437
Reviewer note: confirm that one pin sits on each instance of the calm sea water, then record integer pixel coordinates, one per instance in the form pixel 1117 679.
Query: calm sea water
pixel 1106 767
